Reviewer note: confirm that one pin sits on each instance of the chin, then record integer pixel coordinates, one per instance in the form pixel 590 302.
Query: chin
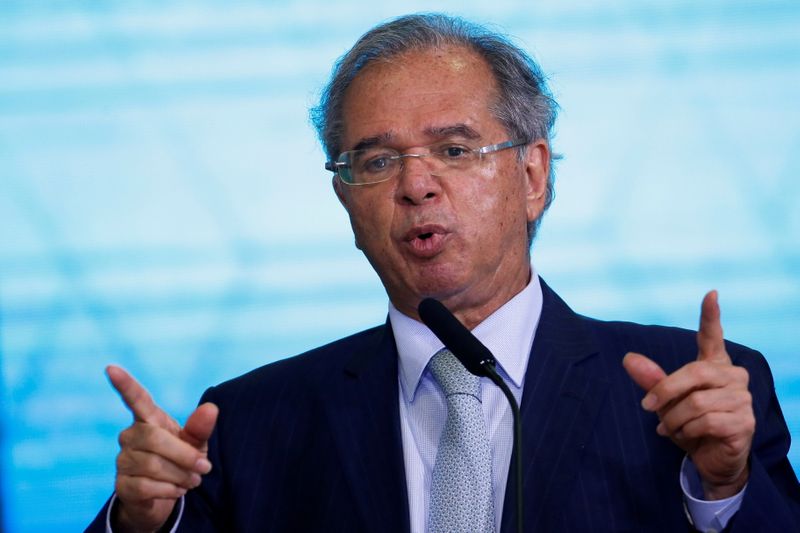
pixel 439 283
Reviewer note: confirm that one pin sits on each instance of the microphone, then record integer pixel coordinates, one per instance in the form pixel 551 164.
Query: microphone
pixel 478 360
pixel 475 357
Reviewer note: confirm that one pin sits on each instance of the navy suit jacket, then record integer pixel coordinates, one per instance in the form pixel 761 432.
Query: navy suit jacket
pixel 312 443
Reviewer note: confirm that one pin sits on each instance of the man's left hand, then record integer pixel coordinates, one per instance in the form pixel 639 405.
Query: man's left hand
pixel 704 406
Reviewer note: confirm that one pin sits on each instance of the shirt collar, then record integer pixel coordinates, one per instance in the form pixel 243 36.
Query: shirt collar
pixel 508 333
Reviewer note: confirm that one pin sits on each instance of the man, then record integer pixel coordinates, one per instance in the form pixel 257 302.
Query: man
pixel 438 134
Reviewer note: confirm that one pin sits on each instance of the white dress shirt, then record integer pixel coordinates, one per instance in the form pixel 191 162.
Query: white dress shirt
pixel 508 333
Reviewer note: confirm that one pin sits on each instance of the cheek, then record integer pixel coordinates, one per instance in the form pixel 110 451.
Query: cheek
pixel 370 220
pixel 500 196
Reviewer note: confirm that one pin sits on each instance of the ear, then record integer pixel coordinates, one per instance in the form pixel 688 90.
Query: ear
pixel 537 169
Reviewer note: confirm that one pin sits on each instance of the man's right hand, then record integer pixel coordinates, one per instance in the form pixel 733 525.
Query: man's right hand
pixel 158 460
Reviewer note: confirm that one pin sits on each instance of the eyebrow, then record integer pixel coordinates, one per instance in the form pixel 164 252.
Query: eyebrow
pixel 455 130
pixel 369 142
pixel 438 132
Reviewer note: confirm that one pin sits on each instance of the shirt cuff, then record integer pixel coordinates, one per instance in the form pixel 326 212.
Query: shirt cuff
pixel 172 529
pixel 709 516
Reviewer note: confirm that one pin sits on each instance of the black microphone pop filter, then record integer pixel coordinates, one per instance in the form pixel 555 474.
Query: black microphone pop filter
pixel 455 336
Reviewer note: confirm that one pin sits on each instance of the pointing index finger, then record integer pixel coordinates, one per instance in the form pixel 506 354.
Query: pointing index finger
pixel 136 398
pixel 710 341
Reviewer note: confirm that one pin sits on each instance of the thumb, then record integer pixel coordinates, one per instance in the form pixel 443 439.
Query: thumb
pixel 710 342
pixel 200 425
pixel 643 370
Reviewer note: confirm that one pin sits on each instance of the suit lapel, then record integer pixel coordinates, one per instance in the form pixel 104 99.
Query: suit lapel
pixel 560 401
pixel 365 420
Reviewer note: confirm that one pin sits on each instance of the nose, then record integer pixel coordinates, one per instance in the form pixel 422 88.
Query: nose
pixel 416 183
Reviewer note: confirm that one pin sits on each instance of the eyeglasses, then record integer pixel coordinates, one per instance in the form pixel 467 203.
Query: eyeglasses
pixel 374 165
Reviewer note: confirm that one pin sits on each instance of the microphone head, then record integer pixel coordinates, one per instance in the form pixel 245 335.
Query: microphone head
pixel 455 336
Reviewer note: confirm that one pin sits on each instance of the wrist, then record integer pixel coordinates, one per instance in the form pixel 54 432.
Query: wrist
pixel 123 522
pixel 720 491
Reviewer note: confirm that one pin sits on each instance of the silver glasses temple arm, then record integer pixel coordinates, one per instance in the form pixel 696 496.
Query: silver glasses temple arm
pixel 501 146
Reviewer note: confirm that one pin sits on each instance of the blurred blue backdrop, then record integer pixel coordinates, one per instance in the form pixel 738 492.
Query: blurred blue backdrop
pixel 163 203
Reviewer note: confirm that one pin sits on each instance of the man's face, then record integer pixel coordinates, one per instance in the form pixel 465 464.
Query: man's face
pixel 459 238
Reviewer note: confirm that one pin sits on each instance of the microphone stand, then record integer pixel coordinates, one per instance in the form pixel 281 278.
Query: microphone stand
pixel 492 374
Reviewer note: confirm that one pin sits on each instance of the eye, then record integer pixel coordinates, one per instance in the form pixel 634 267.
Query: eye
pixel 454 151
pixel 373 161
pixel 376 164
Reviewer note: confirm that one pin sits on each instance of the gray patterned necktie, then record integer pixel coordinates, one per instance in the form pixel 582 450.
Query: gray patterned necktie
pixel 461 489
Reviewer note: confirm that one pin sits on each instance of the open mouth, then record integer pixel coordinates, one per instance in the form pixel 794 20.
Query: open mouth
pixel 426 241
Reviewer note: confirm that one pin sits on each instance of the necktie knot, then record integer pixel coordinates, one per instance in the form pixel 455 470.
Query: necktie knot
pixel 451 375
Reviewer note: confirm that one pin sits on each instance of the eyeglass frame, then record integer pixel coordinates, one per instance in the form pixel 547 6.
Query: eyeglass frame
pixel 333 166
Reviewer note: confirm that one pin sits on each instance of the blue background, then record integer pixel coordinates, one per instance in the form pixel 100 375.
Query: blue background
pixel 163 203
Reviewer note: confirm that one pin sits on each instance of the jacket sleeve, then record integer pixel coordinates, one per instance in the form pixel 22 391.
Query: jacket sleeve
pixel 772 499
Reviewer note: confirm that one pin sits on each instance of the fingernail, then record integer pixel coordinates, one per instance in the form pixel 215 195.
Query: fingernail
pixel 660 429
pixel 181 491
pixel 203 466
pixel 649 402
pixel 195 480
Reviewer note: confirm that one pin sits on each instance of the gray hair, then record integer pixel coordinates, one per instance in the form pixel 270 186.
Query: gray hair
pixel 525 106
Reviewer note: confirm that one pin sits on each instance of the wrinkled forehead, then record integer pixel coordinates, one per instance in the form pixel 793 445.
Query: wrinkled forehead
pixel 428 88
pixel 445 64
